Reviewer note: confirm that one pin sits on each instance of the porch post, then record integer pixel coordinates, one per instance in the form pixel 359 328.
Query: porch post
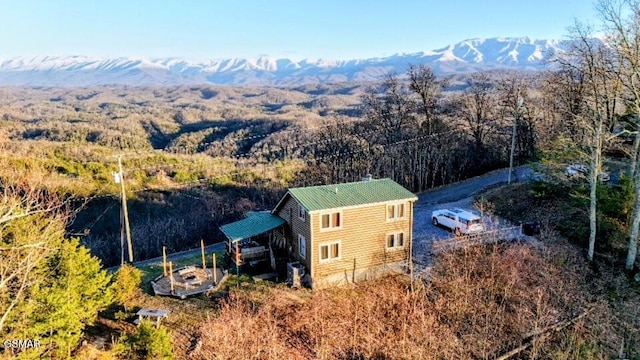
pixel 237 254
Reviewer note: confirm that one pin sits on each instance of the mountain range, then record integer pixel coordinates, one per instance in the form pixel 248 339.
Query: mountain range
pixel 466 56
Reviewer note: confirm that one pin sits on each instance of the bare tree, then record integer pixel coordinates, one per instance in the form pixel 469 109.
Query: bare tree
pixel 591 60
pixel 428 87
pixel 390 112
pixel 563 93
pixel 391 109
pixel 621 20
pixel 477 106
pixel 514 98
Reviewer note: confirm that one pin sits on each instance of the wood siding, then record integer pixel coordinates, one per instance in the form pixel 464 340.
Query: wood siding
pixel 362 236
pixel 295 226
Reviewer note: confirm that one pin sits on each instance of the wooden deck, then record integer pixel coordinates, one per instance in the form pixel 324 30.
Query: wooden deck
pixel 189 281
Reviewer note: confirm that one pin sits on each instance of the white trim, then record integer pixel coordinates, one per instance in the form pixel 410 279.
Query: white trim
pixel 395 240
pixel 331 227
pixel 275 209
pixel 303 211
pixel 304 241
pixel 311 247
pixel 396 207
pixel 329 244
pixel 341 208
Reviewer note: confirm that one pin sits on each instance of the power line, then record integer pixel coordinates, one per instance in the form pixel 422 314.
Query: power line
pixel 288 130
pixel 317 158
pixel 395 143
pixel 299 145
pixel 341 154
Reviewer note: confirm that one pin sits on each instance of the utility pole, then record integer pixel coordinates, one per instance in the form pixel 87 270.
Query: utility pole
pixel 513 137
pixel 124 213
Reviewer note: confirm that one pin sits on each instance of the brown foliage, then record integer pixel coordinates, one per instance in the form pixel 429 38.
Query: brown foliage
pixel 495 297
pixel 377 320
pixel 480 303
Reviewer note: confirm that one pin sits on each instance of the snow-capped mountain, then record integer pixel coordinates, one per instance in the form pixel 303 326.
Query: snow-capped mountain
pixel 466 56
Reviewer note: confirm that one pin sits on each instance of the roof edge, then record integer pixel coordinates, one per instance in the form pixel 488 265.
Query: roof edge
pixel 413 199
pixel 282 201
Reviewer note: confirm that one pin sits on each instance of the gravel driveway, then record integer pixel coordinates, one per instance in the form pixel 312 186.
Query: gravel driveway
pixel 460 195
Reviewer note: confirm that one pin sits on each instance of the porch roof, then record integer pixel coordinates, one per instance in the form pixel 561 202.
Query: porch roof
pixel 255 223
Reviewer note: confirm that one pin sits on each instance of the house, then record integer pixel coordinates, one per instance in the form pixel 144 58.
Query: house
pixel 341 233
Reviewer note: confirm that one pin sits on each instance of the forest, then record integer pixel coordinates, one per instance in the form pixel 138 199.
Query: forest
pixel 197 157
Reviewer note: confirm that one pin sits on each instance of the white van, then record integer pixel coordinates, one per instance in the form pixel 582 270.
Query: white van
pixel 458 221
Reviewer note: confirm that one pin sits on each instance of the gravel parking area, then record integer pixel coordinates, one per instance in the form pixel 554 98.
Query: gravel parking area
pixel 458 195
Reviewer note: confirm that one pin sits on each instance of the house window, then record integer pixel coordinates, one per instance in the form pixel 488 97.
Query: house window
pixel 395 212
pixel 330 251
pixel 331 221
pixel 302 246
pixel 395 240
pixel 302 213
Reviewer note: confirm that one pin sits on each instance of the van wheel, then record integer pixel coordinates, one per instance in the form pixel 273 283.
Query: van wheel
pixel 434 221
pixel 457 232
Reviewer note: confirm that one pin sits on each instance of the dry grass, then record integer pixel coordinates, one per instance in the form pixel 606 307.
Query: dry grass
pixel 327 325
pixel 480 303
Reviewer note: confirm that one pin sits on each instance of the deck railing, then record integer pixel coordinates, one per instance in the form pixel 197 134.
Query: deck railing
pixel 243 255
pixel 485 237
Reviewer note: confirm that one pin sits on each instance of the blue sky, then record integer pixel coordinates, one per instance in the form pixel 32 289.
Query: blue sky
pixel 200 30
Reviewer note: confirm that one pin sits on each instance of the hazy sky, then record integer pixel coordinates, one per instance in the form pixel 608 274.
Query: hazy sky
pixel 200 30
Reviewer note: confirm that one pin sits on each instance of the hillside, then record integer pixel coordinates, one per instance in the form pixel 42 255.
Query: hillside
pixel 196 157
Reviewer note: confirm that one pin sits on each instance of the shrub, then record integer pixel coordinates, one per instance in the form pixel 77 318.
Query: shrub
pixel 126 285
pixel 480 303
pixel 148 342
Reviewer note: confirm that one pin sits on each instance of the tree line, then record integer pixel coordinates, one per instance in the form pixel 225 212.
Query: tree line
pixel 596 98
pixel 414 132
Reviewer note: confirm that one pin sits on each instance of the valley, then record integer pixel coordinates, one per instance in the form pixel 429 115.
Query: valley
pixel 197 156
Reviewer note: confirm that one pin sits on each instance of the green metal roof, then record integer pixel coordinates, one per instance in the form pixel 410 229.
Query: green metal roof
pixel 255 223
pixel 350 194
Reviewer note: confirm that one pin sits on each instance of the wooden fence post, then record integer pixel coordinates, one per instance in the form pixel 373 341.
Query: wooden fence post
pixel 171 275
pixel 164 261
pixel 215 269
pixel 204 261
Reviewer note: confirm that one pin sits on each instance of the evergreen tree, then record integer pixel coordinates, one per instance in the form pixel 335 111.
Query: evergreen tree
pixel 50 287
pixel 148 342
pixel 126 285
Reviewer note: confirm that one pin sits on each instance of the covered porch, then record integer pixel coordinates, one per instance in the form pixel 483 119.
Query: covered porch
pixel 250 240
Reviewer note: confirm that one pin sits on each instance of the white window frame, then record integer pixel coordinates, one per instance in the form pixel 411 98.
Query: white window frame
pixel 328 245
pixel 302 240
pixel 302 213
pixel 395 240
pixel 331 225
pixel 396 210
